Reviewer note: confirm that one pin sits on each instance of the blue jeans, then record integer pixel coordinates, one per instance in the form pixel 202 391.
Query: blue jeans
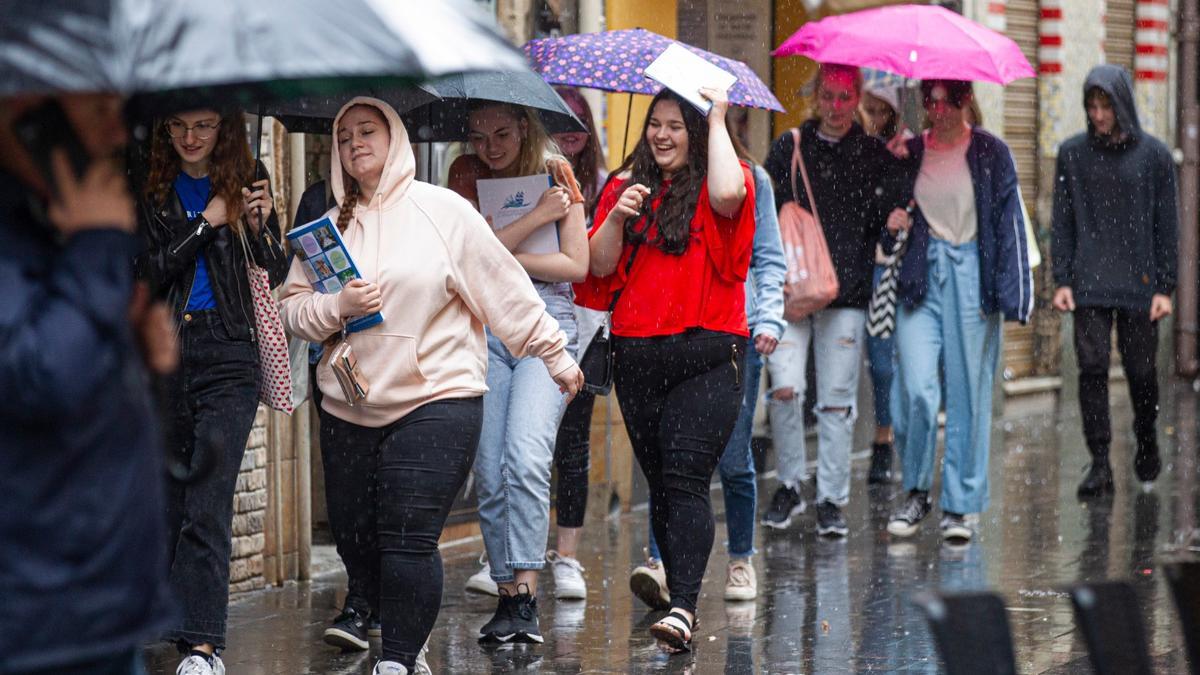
pixel 837 335
pixel 947 325
pixel 881 353
pixel 737 470
pixel 521 412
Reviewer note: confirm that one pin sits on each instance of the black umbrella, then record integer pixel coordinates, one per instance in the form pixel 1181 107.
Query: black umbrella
pixel 314 114
pixel 184 52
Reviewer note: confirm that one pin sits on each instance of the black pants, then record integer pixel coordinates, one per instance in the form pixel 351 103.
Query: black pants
pixel 209 408
pixel 387 534
pixel 1137 340
pixel 680 397
pixel 572 451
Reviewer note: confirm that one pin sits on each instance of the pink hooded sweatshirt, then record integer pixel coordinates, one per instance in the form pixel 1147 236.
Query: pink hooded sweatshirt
pixel 443 275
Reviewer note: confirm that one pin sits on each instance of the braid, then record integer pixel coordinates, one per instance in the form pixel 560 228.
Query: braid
pixel 346 211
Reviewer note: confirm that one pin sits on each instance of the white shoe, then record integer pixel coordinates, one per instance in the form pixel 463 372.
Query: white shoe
pixel 196 665
pixel 649 584
pixel 389 668
pixel 741 583
pixel 421 667
pixel 568 577
pixel 481 581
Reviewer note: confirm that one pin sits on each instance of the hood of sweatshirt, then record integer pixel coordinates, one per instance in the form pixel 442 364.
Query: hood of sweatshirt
pixel 400 168
pixel 1116 82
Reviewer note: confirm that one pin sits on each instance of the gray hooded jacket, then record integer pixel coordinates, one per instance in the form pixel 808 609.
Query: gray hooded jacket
pixel 1115 216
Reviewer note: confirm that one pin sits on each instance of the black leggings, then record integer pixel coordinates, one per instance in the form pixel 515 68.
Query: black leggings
pixel 572 460
pixel 388 540
pixel 680 397
pixel 1137 340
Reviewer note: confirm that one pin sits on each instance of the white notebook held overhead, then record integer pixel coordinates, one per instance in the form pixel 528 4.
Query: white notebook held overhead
pixel 684 73
pixel 503 200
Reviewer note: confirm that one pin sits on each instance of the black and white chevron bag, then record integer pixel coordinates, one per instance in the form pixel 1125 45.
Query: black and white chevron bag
pixel 881 313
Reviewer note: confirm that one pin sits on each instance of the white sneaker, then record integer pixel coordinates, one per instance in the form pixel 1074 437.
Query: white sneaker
pixel 421 667
pixel 649 584
pixel 481 581
pixel 568 577
pixel 741 583
pixel 389 668
pixel 196 665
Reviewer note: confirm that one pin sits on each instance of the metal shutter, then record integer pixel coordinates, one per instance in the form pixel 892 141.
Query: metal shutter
pixel 1021 132
pixel 1119 26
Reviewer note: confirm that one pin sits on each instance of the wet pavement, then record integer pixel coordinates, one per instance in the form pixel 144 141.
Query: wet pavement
pixel 824 606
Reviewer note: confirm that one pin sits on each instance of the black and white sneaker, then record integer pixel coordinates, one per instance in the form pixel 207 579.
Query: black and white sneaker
pixel 497 629
pixel 957 528
pixel 905 520
pixel 523 619
pixel 348 631
pixel 830 521
pixel 786 503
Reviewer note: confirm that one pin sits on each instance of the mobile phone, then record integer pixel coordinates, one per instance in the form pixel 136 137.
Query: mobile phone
pixel 45 128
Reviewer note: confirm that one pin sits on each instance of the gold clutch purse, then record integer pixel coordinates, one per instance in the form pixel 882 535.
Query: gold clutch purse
pixel 345 368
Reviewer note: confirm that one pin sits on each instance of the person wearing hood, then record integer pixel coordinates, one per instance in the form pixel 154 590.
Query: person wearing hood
pixel 431 265
pixel 1114 256
pixel 523 406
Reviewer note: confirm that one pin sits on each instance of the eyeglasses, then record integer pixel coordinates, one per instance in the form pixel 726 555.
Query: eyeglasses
pixel 202 130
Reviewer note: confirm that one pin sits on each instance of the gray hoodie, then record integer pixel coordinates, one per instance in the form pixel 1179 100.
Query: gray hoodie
pixel 1115 217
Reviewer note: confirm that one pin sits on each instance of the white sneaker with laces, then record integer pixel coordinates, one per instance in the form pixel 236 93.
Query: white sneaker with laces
pixel 741 583
pixel 481 581
pixel 389 668
pixel 569 583
pixel 198 665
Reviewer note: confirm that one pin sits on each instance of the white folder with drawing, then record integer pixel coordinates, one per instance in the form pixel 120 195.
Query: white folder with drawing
pixel 503 200
pixel 684 73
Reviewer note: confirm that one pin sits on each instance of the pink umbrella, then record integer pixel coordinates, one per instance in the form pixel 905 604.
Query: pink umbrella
pixel 922 42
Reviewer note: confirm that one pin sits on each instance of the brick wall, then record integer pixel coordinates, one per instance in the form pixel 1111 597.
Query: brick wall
pixel 249 512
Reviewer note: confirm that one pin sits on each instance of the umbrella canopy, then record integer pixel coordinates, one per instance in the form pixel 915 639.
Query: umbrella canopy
pixel 314 114
pixel 615 61
pixel 918 41
pixel 240 52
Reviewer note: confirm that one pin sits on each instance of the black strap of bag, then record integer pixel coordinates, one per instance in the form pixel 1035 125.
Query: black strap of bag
pixel 597 361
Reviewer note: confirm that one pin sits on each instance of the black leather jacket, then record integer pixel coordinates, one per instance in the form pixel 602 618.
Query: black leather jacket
pixel 168 261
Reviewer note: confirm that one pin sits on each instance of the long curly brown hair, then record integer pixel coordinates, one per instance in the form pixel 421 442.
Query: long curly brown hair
pixel 230 167
pixel 678 207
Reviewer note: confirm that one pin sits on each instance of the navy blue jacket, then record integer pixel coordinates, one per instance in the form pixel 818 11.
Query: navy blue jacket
pixel 82 510
pixel 1005 278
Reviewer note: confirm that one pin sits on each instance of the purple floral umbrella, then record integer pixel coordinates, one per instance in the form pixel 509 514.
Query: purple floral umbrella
pixel 615 60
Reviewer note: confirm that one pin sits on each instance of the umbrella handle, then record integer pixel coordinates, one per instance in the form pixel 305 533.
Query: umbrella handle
pixel 628 117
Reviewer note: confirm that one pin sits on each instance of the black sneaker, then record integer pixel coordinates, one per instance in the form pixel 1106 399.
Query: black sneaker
pixel 786 503
pixel 910 514
pixel 1147 463
pixel 881 464
pixel 1098 481
pixel 497 629
pixel 523 621
pixel 830 521
pixel 348 631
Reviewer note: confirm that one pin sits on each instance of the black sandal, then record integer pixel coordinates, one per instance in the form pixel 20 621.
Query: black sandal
pixel 673 633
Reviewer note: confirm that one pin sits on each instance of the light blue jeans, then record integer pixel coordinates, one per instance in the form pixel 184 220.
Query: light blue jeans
pixel 521 412
pixel 837 337
pixel 949 325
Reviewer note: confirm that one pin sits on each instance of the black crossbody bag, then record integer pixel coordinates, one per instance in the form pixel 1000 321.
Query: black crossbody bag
pixel 597 361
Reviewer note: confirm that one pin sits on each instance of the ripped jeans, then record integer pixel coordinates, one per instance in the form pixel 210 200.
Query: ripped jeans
pixel 837 337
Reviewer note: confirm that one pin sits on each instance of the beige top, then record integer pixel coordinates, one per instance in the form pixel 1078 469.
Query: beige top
pixel 945 193
pixel 443 276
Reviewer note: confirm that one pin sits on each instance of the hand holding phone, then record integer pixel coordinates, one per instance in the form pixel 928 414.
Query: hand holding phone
pixel 256 203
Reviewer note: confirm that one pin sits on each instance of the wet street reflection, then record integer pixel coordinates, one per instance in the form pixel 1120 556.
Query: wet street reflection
pixel 824 606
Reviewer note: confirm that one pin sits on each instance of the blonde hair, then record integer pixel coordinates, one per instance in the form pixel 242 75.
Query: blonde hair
pixel 537 147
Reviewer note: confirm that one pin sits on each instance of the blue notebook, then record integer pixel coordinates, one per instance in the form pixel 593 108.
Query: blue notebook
pixel 327 263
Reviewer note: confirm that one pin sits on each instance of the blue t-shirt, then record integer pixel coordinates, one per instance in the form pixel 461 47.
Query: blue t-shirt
pixel 193 194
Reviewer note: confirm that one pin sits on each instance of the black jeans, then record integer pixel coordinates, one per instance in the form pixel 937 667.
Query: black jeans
pixel 1137 340
pixel 680 397
pixel 572 460
pixel 412 468
pixel 209 408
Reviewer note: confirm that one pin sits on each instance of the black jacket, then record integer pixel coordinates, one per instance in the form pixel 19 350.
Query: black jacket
pixel 168 261
pixel 82 514
pixel 855 185
pixel 1115 219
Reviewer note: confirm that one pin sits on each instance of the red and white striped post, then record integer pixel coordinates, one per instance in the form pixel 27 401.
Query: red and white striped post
pixel 1050 41
pixel 1150 67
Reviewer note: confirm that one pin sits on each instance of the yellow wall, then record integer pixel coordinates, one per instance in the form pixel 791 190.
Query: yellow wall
pixel 653 15
pixel 791 72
